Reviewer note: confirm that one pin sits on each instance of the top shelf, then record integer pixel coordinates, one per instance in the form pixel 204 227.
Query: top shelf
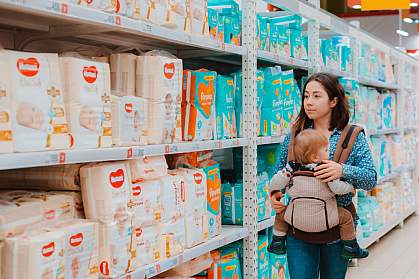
pixel 61 19
pixel 379 84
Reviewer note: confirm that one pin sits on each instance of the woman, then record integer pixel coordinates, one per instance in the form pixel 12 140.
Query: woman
pixel 325 108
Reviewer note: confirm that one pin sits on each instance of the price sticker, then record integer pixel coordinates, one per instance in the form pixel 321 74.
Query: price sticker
pixel 167 148
pixel 129 153
pixel 64 8
pixel 117 20
pixel 62 157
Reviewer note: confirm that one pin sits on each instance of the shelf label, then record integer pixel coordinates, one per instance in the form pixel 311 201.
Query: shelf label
pixel 117 20
pixel 129 153
pixel 61 157
pixel 166 148
pixel 64 8
pixel 188 38
pixel 52 158
pixel 223 46
pixel 138 153
pixel 147 28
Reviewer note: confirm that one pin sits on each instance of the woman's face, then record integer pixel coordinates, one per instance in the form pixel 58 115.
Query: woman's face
pixel 316 101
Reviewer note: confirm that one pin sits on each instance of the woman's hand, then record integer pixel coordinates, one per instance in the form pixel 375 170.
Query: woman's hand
pixel 328 171
pixel 276 204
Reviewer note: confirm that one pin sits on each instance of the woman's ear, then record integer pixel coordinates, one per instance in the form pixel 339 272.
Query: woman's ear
pixel 334 102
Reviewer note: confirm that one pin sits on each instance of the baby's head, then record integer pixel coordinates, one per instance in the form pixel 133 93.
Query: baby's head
pixel 310 146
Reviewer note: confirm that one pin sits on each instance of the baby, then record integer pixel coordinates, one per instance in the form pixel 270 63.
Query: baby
pixel 313 203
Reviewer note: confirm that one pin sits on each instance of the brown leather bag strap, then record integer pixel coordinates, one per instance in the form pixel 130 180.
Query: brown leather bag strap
pixel 291 156
pixel 346 142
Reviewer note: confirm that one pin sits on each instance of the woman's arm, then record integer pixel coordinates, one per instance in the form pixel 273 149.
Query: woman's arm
pixel 361 173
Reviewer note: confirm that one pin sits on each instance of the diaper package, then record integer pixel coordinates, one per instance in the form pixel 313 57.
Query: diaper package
pixel 145 201
pixel 232 203
pixel 284 48
pixel 238 106
pixel 129 121
pixel 263 257
pixel 172 196
pixel 262 32
pixel 37 255
pixel 271 117
pixel 351 87
pixel 374 112
pixel 80 249
pixel 273 37
pixel 147 244
pixel 199 17
pixel 148 168
pixel 88 103
pixel 173 237
pixel 78 202
pixel 278 267
pixel 224 267
pixel 224 108
pixel 198 105
pixel 289 97
pixel 176 15
pixel 53 206
pixel 122 67
pixel 196 220
pixel 32 103
pixel 15 217
pixel 212 172
pixel 105 188
pixel 389 111
pixel 159 82
pixel 115 247
pixel 213 24
pixel 264 207
pixel 60 177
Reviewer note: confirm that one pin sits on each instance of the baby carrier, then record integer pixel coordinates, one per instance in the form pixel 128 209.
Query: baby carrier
pixel 312 213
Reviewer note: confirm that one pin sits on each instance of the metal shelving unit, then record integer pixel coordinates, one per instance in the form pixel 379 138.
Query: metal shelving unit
pixel 48 19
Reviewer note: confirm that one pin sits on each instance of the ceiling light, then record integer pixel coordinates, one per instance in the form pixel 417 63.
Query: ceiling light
pixel 356 7
pixel 402 33
pixel 408 20
pixel 414 4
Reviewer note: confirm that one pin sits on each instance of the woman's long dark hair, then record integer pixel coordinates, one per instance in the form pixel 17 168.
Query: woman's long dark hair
pixel 340 113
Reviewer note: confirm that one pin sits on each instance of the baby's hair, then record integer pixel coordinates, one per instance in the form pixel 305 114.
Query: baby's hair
pixel 306 145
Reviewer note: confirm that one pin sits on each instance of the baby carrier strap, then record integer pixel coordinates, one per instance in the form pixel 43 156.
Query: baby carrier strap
pixel 303 173
pixel 346 142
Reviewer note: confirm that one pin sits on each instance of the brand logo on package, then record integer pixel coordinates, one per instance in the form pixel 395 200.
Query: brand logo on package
pixel 90 74
pixel 48 249
pixel 28 67
pixel 198 178
pixel 136 190
pixel 169 70
pixel 76 240
pixel 138 232
pixel 128 107
pixel 104 268
pixel 117 178
pixel 50 214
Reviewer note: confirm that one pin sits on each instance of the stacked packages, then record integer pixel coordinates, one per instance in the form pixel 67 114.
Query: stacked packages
pixel 336 53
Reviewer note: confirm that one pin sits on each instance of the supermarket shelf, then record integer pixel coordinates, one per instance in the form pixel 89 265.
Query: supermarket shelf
pixel 229 234
pixel 73 20
pixel 47 158
pixel 266 224
pixel 378 84
pixel 383 132
pixel 282 60
pixel 410 130
pixel 387 228
pixel 389 177
pixel 270 140
pixel 335 72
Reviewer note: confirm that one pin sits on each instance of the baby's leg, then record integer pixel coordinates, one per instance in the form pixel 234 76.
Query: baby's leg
pixel 280 226
pixel 346 224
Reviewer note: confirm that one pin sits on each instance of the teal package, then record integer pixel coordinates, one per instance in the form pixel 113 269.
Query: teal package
pixel 224 108
pixel 213 23
pixel 388 108
pixel 262 32
pixel 325 49
pixel 305 48
pixel 233 250
pixel 346 59
pixel 272 87
pixel 232 29
pixel 273 37
pixel 290 21
pixel 260 83
pixel 288 96
pixel 230 268
pixel 269 154
pixel 296 43
pixel 297 100
pixel 264 207
pixel 351 88
pixel 361 101
pixel 232 204
pixel 238 85
pixel 227 7
pixel 263 257
pixel 278 267
pixel 271 120
pixel 283 41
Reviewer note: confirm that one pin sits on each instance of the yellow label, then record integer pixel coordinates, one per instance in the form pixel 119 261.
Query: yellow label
pixel 230 82
pixel 6 135
pixel 277 81
pixel 209 78
pixel 212 172
pixel 60 129
pixel 107 131
pixel 287 81
pixel 368 5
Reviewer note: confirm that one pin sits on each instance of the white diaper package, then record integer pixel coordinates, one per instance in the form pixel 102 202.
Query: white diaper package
pixel 55 207
pixel 105 188
pixel 150 10
pixel 122 68
pixel 172 197
pixel 145 202
pixel 87 97
pixel 159 81
pixel 60 177
pixel 37 255
pixel 173 237
pixel 176 15
pixel 196 223
pixel 148 168
pixel 80 249
pixel 15 217
pixel 78 202
pixel 199 17
pixel 115 247
pixel 31 103
pixel 128 121
pixel 147 241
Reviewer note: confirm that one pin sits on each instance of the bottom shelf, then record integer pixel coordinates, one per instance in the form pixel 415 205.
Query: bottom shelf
pixel 266 224
pixel 365 243
pixel 228 235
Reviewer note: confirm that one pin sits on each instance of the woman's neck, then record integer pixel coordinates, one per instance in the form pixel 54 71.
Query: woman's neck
pixel 322 124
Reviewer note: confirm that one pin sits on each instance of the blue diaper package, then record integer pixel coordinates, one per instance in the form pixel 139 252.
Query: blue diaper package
pixel 225 108
pixel 263 256
pixel 232 203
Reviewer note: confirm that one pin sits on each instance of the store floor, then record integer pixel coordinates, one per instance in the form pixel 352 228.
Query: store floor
pixel 395 256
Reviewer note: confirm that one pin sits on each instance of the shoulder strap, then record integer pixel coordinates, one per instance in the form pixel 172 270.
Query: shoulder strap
pixel 291 156
pixel 345 143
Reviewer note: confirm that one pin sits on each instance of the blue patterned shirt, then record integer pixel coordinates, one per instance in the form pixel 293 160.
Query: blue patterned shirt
pixel 358 170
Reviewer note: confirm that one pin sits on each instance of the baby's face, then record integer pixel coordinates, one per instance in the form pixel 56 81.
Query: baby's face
pixel 30 116
pixel 323 153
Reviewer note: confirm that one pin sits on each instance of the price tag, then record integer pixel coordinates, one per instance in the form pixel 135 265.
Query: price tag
pixel 146 28
pixel 195 147
pixel 129 153
pixel 188 38
pixel 61 157
pixel 223 46
pixel 167 148
pixel 220 144
pixel 158 268
pixel 110 19
pixel 138 153
pixel 52 158
pixel 64 8
pixel 237 142
pixel 117 20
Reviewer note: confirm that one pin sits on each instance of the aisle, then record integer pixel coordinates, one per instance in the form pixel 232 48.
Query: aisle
pixel 395 256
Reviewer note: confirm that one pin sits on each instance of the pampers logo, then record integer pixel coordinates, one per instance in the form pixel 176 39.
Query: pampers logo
pixel 90 74
pixel 48 249
pixel 117 178
pixel 28 67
